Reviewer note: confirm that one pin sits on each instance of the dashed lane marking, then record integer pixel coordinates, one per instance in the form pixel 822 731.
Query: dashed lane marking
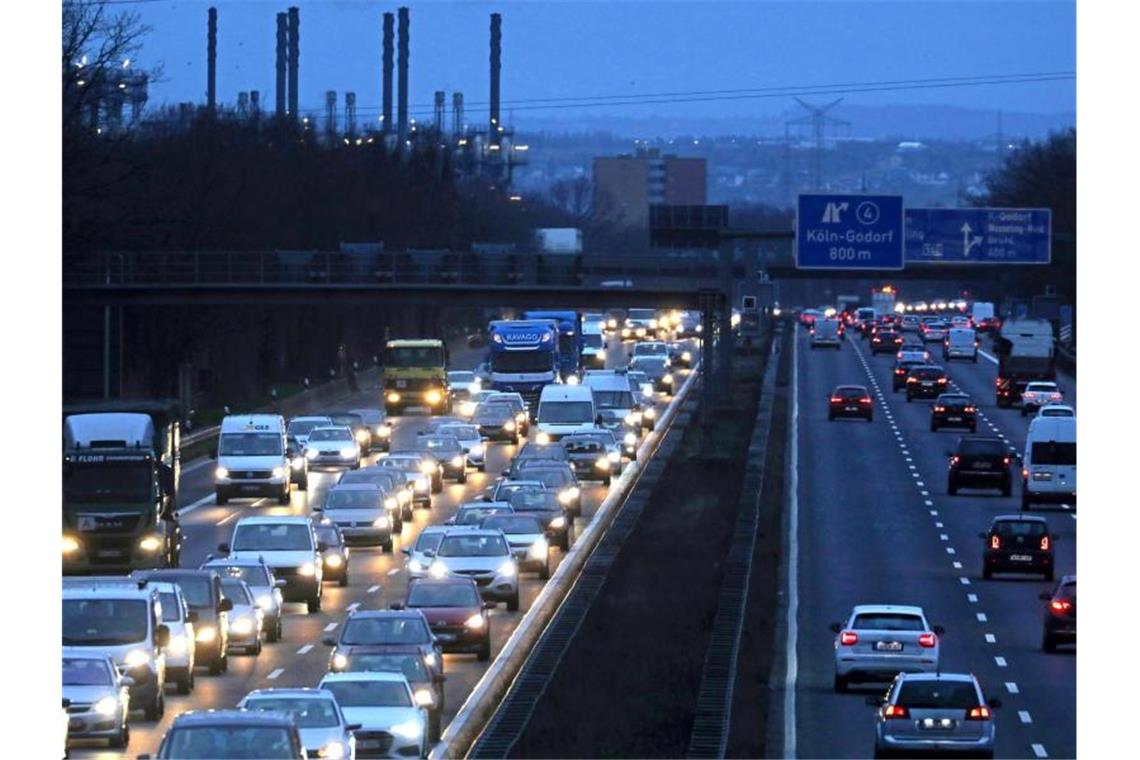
pixel 1039 750
pixel 982 617
pixel 991 639
pixel 305 649
pixel 373 589
pixel 200 503
pixel 1024 716
pixel 957 565
pixel 1011 687
pixel 227 518
pixel 920 484
pixel 929 503
pixel 938 525
pixel 275 674
pixel 1000 661
pixel 964 581
pixel 950 550
pixel 330 627
pixel 943 536
pixel 353 607
pixel 972 598
pixel 393 571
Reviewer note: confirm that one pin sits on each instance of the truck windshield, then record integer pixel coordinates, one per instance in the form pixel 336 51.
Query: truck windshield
pixel 613 399
pixel 522 361
pixel 566 411
pixel 250 445
pixel 106 622
pixel 414 356
pixel 107 483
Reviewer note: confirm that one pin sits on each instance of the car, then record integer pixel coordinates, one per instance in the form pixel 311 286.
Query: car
pixel 910 323
pixel 325 732
pixel 472 513
pixel 826 332
pixel 614 393
pixel 1060 625
pixel 362 511
pixel 483 555
pixel 403 658
pixel 419 554
pixel 536 451
pixel 97 698
pixel 289 545
pixel 901 371
pixel 953 410
pixel 383 705
pixel 301 427
pixel 203 592
pixel 681 354
pixel 335 557
pixel 412 467
pixel 878 641
pixel 448 452
pixel 885 342
pixel 298 464
pixel 470 441
pixel 594 456
pixel 926 381
pixel 504 488
pixel 935 331
pixel 656 368
pixel 427 463
pixel 934 713
pixel 1056 410
pixel 457 614
pixel 226 734
pixel 179 650
pixel 527 536
pixel 333 446
pixel 393 482
pixel 246 620
pixel 556 476
pixel 370 628
pixel 651 348
pixel 626 429
pixel 1018 544
pixel 379 429
pixel 980 462
pixel 547 508
pixel 461 384
pixel 642 388
pixel 361 430
pixel 850 401
pixel 1037 394
pixel 432 425
pixel 265 587
pixel 912 352
pixel 466 409
pixel 518 404
pixel 497 422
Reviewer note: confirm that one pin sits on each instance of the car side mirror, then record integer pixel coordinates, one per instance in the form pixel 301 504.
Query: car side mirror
pixel 322 546
pixel 489 605
pixel 317 508
pixel 835 627
pixel 938 630
pixel 994 702
pixel 213 452
pixel 1045 596
pixel 874 700
pixel 329 641
pixel 396 606
pixel 162 636
pixel 429 552
pixel 66 703
pixel 225 605
pixel 224 548
pixel 192 616
pixel 506 473
pixel 279 583
pixel 126 681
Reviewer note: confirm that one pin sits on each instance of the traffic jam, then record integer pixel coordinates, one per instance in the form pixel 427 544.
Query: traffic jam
pixel 963 641
pixel 334 584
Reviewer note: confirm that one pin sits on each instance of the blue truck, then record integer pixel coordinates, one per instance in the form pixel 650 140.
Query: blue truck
pixel 569 339
pixel 524 357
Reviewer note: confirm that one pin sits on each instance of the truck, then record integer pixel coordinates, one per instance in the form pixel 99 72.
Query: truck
pixel 569 339
pixel 121 470
pixel 414 373
pixel 1025 351
pixel 558 240
pixel 524 357
pixel 883 300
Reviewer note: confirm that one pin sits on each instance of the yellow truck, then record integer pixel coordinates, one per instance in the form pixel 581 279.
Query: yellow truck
pixel 414 373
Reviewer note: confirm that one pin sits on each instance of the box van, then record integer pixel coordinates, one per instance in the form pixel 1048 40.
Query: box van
pixel 960 343
pixel 1049 465
pixel 565 409
pixel 252 458
pixel 982 315
pixel 825 332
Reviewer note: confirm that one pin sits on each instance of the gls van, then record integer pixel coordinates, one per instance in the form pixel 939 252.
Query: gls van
pixel 1049 466
pixel 564 410
pixel 253 458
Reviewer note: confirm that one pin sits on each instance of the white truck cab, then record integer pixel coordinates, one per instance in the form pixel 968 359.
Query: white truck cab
pixel 252 458
pixel 565 409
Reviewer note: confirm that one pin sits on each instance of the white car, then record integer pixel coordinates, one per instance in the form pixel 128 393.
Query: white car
pixel 483 555
pixel 301 427
pixel 289 545
pixel 382 703
pixel 333 446
pixel 1037 394
pixel 96 698
pixel 1056 410
pixel 324 729
pixel 180 648
pixel 420 554
pixel 879 641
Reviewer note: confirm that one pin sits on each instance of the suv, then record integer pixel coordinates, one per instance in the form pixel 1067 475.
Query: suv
pixel 203 592
pixel 885 341
pixel 287 544
pixel 926 382
pixel 953 410
pixel 934 712
pixel 980 462
pixel 1018 544
pixel 1060 614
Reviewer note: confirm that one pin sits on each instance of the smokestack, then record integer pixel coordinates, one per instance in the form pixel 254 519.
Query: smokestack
pixel 255 104
pixel 211 60
pixel 440 101
pixel 330 114
pixel 402 78
pixel 294 57
pixel 496 55
pixel 386 81
pixel 282 43
pixel 350 114
pixel 456 114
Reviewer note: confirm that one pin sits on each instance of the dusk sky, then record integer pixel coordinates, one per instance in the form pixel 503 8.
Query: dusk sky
pixel 579 49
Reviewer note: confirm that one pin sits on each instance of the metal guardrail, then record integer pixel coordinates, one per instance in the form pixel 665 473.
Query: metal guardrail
pixel 198 436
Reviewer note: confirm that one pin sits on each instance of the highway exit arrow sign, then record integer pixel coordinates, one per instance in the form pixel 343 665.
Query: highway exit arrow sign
pixel 978 235
pixel 835 231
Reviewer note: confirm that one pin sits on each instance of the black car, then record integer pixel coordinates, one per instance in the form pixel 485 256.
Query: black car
pixel 203 592
pixel 1060 614
pixel 850 401
pixel 885 342
pixel 980 463
pixel 446 450
pixel 953 410
pixel 369 628
pixel 548 452
pixel 334 559
pixel 902 369
pixel 588 456
pixel 557 522
pixel 496 422
pixel 1018 544
pixel 556 476
pixel 927 381
pixel 1007 391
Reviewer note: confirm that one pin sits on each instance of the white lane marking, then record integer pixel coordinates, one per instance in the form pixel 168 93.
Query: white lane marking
pixel 200 503
pixel 330 627
pixel 972 598
pixel 1074 515
pixel 1039 750
pixel 792 664
pixel 982 617
pixel 305 649
pixel 1024 716
pixel 227 518
pixel 1011 687
pixel 1000 661
pixel 964 581
pixel 373 589
pixel 926 493
pixel 920 484
pixel 912 467
pixel 274 675
pixel 938 525
pixel 957 565
pixel 393 571
pixel 934 513
pixel 353 607
pixel 929 503
pixel 991 639
pixel 950 550
pixel 987 357
pixel 909 460
pixel 943 536
pixel 916 476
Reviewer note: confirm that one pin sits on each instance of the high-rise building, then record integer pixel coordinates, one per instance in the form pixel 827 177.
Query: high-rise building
pixel 625 186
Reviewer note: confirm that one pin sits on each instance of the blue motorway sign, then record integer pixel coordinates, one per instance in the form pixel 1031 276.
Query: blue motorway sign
pixel 836 231
pixel 978 235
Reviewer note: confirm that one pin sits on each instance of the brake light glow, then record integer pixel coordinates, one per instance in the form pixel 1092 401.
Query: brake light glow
pixel 927 640
pixel 837 399
pixel 896 711
pixel 970 409
pixel 1060 606
pixel 848 638
pixel 865 400
pixel 912 380
pixel 942 381
pixel 995 542
pixel 954 460
pixel 1045 543
pixel 981 712
pixel 1005 460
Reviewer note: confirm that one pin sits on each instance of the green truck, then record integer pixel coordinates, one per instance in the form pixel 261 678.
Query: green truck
pixel 414 373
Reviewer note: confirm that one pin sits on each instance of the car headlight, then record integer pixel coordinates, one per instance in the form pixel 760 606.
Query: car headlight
pixel 543 438
pixel 633 418
pixel 384 431
pixel 603 463
pixel 614 456
pixel 422 484
pixel 509 426
pixel 572 380
pixel 539 548
pixel 310 453
pixel 334 560
pixel 278 472
pixel 242 626
pixel 205 634
pixel 334 750
pixel 106 706
pixel 339 661
pixel 404 496
pixel 653 323
pixel 427 468
pixel 475 622
pixel 457 461
pixel 476 450
pixel 686 356
pixel 429 659
pixel 424 697
pixel 265 601
pixel 297 463
pixel 667 379
pixel 136 658
pixel 393 397
pixel 437 570
pixel 412 729
pixel 700 328
pixel 221 473
pixel 362 436
pixel 380 522
pixel 70 544
pixel 630 439
pixel 558 522
pixel 467 408
pixel 507 569
pixel 433 397
pixel 348 452
pixel 177 645
pixel 307 569
pixel 415 566
pixel 150 544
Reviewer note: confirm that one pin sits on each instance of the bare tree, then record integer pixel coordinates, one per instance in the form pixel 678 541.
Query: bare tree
pixel 98 43
pixel 574 196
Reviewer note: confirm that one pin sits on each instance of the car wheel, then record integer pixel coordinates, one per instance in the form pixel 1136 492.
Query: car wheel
pixel 255 650
pixel 434 726
pixel 314 604
pixel 1007 489
pixel 121 739
pixel 1048 643
pixel 1048 575
pixel 481 467
pixel 283 499
pixel 279 629
pixel 436 485
pixel 840 684
pixel 462 478
pixel 544 572
pixel 221 498
pixel 216 667
pixel 513 603
pixel 484 653
pixel 1025 504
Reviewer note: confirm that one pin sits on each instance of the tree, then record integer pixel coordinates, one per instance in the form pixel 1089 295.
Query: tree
pixel 574 196
pixel 1039 175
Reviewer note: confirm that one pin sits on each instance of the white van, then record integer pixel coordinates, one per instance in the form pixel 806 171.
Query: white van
pixel 1049 465
pixel 593 345
pixel 612 391
pixel 960 343
pixel 981 311
pixel 252 458
pixel 564 410
pixel 825 332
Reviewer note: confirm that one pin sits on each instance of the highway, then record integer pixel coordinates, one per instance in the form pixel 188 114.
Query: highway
pixel 376 579
pixel 877 526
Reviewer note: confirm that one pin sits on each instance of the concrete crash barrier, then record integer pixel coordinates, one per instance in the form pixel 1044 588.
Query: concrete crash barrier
pixel 484 699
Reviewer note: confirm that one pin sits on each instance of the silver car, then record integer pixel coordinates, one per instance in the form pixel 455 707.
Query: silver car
pixel 324 730
pixel 179 650
pixel 527 537
pixel 484 556
pixel 934 713
pixel 382 704
pixel 417 472
pixel 96 698
pixel 333 446
pixel 265 587
pixel 362 511
pixel 879 641
pixel 246 621
pixel 472 443
pixel 421 553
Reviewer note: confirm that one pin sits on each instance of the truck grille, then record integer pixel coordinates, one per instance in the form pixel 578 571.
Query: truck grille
pixel 116 523
pixel 249 474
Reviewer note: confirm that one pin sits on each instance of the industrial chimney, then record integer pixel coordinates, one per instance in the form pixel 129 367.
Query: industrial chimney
pixel 282 43
pixel 294 57
pixel 212 60
pixel 440 105
pixel 496 55
pixel 386 81
pixel 456 114
pixel 402 77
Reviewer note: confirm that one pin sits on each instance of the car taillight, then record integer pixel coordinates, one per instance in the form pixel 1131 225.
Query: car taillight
pixel 981 712
pixel 865 400
pixel 912 380
pixel 1025 472
pixel 1060 606
pixel 995 542
pixel 970 409
pixel 900 371
pixel 1005 460
pixel 954 460
pixel 1045 543
pixel 837 399
pixel 927 640
pixel 848 638
pixel 997 382
pixel 896 711
pixel 942 381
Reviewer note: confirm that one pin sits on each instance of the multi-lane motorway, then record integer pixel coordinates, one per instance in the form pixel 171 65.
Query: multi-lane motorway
pixel 875 525
pixel 376 579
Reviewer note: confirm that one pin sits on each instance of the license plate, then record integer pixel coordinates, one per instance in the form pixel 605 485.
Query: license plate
pixel 888 646
pixel 1020 558
pixel 982 465
pixel 927 385
pixel 851 408
pixel 401 383
pixel 249 488
pixel 367 743
pixel 953 419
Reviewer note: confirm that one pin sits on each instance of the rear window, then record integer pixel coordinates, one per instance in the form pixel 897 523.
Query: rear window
pixel 1020 528
pixel 926 374
pixel 1050 452
pixel 954 695
pixel 970 447
pixel 850 392
pixel 888 622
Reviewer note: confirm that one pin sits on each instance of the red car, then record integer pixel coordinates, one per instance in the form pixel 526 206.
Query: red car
pixel 456 613
pixel 850 401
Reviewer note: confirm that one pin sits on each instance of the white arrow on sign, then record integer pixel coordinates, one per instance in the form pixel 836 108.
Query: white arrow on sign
pixel 967 243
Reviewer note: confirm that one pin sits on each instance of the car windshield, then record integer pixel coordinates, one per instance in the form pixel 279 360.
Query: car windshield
pixel 272 537
pixel 329 535
pixel 650 349
pixel 974 447
pixel 613 399
pixel 330 434
pixel 254 575
pixel 424 594
pixel 934 695
pixel 461 377
pixel 549 452
pixel 462 432
pixel 887 621
pixel 304 427
pixel 107 483
pixel 1020 528
pixel 84 671
pixel 384 630
pixel 511 524
pixel 414 356
pixel 410 664
pixel 171 610
pixel 428 542
pixel 343 498
pixel 513 402
pixel 473 546
pixel 236 591
pixel 370 416
pixel 530 499
pixel 565 411
pixel 404 464
pixel 438 445
pixel 1054 453
pixel 650 364
pixel 348 420
pixel 250 445
pixel 223 742
pixel 369 693
pixel 89 622
pixel 307 712
pixel 493 413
